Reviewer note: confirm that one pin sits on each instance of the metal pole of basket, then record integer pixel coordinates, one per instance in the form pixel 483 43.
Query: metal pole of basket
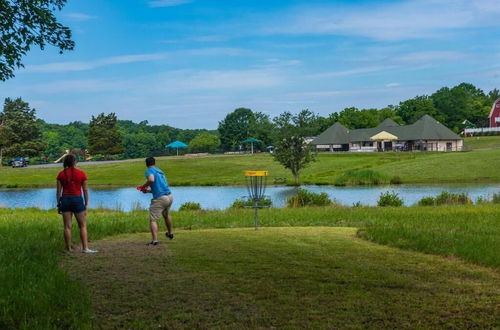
pixel 256 186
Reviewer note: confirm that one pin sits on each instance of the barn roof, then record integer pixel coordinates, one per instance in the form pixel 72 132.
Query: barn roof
pixel 493 107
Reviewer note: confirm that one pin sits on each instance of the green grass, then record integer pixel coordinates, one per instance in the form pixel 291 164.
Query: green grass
pixel 334 168
pixel 281 278
pixel 36 293
pixel 482 142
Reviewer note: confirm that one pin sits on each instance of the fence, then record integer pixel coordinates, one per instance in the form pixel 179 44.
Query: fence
pixel 481 130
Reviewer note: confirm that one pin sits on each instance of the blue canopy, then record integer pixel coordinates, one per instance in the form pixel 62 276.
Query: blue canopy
pixel 252 140
pixel 177 144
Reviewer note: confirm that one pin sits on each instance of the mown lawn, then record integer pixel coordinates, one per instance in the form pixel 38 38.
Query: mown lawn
pixel 459 287
pixel 482 142
pixel 313 277
pixel 331 168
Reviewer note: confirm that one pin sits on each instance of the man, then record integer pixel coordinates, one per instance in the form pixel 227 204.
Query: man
pixel 162 199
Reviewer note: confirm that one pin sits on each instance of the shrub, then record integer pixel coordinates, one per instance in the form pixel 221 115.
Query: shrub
pixel 396 180
pixel 360 177
pixel 482 200
pixel 496 198
pixel 389 199
pixel 190 206
pixel 307 198
pixel 246 203
pixel 446 198
pixel 427 201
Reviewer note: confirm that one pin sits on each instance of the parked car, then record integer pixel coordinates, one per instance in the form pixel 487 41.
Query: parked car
pixel 19 162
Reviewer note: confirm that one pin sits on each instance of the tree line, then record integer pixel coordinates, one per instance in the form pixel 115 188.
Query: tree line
pixel 23 134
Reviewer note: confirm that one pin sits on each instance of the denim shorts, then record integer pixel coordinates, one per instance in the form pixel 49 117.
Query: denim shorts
pixel 72 204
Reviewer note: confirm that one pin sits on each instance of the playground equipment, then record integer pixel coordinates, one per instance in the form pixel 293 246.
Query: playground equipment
pixel 77 152
pixel 256 186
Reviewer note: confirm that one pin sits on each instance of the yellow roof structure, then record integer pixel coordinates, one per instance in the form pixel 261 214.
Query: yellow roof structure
pixel 383 136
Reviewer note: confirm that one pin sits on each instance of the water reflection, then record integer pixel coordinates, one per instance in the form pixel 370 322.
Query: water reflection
pixel 127 199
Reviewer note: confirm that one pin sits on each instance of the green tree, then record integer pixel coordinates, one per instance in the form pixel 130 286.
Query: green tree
pixel 309 122
pixel 139 145
pixel 20 133
pixel 494 95
pixel 353 118
pixel 291 149
pixel 104 136
pixel 464 101
pixel 53 143
pixel 389 112
pixel 235 128
pixel 205 142
pixel 25 23
pixel 413 109
pixel 262 129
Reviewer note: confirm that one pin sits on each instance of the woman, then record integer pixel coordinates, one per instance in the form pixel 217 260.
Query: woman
pixel 70 183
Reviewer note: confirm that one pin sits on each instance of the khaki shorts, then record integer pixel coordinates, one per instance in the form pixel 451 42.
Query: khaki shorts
pixel 160 206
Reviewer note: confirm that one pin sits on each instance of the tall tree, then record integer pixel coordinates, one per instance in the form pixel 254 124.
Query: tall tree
pixel 235 128
pixel 291 149
pixel 20 133
pixel 494 95
pixel 413 109
pixel 261 128
pixel 104 135
pixel 204 142
pixel 140 144
pixel 24 23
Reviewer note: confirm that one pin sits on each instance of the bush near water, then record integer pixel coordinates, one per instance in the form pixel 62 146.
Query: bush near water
pixel 248 203
pixel 307 198
pixel 190 206
pixel 446 198
pixel 390 198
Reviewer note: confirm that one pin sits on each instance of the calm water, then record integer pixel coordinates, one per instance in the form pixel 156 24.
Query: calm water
pixel 127 199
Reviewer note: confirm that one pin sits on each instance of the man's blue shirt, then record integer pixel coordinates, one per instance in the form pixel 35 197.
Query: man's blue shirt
pixel 160 186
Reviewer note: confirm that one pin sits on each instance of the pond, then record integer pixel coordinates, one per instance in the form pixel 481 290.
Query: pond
pixel 127 199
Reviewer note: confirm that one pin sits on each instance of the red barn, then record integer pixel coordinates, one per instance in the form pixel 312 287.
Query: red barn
pixel 495 114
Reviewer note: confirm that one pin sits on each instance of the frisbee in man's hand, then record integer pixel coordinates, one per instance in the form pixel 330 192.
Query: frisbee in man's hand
pixel 143 189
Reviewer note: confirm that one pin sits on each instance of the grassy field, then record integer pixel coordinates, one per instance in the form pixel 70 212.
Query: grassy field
pixel 303 275
pixel 341 169
pixel 280 278
pixel 482 142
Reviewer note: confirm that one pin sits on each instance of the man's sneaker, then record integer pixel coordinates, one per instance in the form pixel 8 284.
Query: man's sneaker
pixel 153 243
pixel 89 251
pixel 171 236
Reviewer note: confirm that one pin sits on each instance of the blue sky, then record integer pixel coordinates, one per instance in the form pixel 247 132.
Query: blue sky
pixel 187 63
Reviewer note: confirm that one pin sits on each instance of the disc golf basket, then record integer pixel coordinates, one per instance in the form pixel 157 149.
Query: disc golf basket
pixel 256 186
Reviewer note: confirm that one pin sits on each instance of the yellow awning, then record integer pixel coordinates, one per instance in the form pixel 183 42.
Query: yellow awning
pixel 382 136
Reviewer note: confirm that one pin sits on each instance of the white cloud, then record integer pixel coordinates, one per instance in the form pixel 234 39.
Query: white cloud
pixel 79 86
pixel 212 80
pixel 352 72
pixel 431 56
pixel 215 51
pixel 395 21
pixel 168 3
pixel 79 17
pixel 89 65
pixel 394 84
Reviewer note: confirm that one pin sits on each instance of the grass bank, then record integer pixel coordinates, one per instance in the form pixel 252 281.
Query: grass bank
pixel 35 292
pixel 482 142
pixel 331 168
